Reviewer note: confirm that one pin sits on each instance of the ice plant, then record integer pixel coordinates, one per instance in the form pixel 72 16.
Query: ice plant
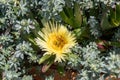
pixel 56 40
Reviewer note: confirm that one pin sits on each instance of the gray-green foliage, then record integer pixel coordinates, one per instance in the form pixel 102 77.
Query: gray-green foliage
pixel 91 64
pixel 51 8
pixel 13 48
pixel 19 18
pixel 49 78
pixel 116 36
pixel 113 62
pixel 94 29
pixel 27 78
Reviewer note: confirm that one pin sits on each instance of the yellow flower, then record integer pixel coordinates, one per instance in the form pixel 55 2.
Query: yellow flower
pixel 56 40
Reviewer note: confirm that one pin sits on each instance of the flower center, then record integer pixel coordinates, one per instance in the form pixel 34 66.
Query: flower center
pixel 57 42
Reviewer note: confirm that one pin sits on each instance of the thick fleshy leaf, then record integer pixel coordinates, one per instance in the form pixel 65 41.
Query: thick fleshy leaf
pixel 77 16
pixel 60 69
pixel 82 33
pixel 105 23
pixel 116 44
pixel 67 15
pixel 44 58
pixel 115 15
pixel 72 16
pixel 50 61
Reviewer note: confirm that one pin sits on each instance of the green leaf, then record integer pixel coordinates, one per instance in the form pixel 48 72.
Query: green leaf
pixel 60 69
pixel 82 33
pixel 115 22
pixel 50 61
pixel 115 16
pixel 78 15
pixel 72 16
pixel 32 40
pixel 116 44
pixel 72 56
pixel 66 16
pixel 118 12
pixel 105 23
pixel 44 58
pixel 27 77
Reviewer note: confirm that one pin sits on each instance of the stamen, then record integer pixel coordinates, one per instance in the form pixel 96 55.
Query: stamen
pixel 59 41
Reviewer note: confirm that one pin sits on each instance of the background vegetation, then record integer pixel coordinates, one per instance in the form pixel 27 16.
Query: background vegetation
pixel 95 23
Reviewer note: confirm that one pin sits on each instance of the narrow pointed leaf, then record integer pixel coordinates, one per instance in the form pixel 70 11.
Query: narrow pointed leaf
pixel 77 15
